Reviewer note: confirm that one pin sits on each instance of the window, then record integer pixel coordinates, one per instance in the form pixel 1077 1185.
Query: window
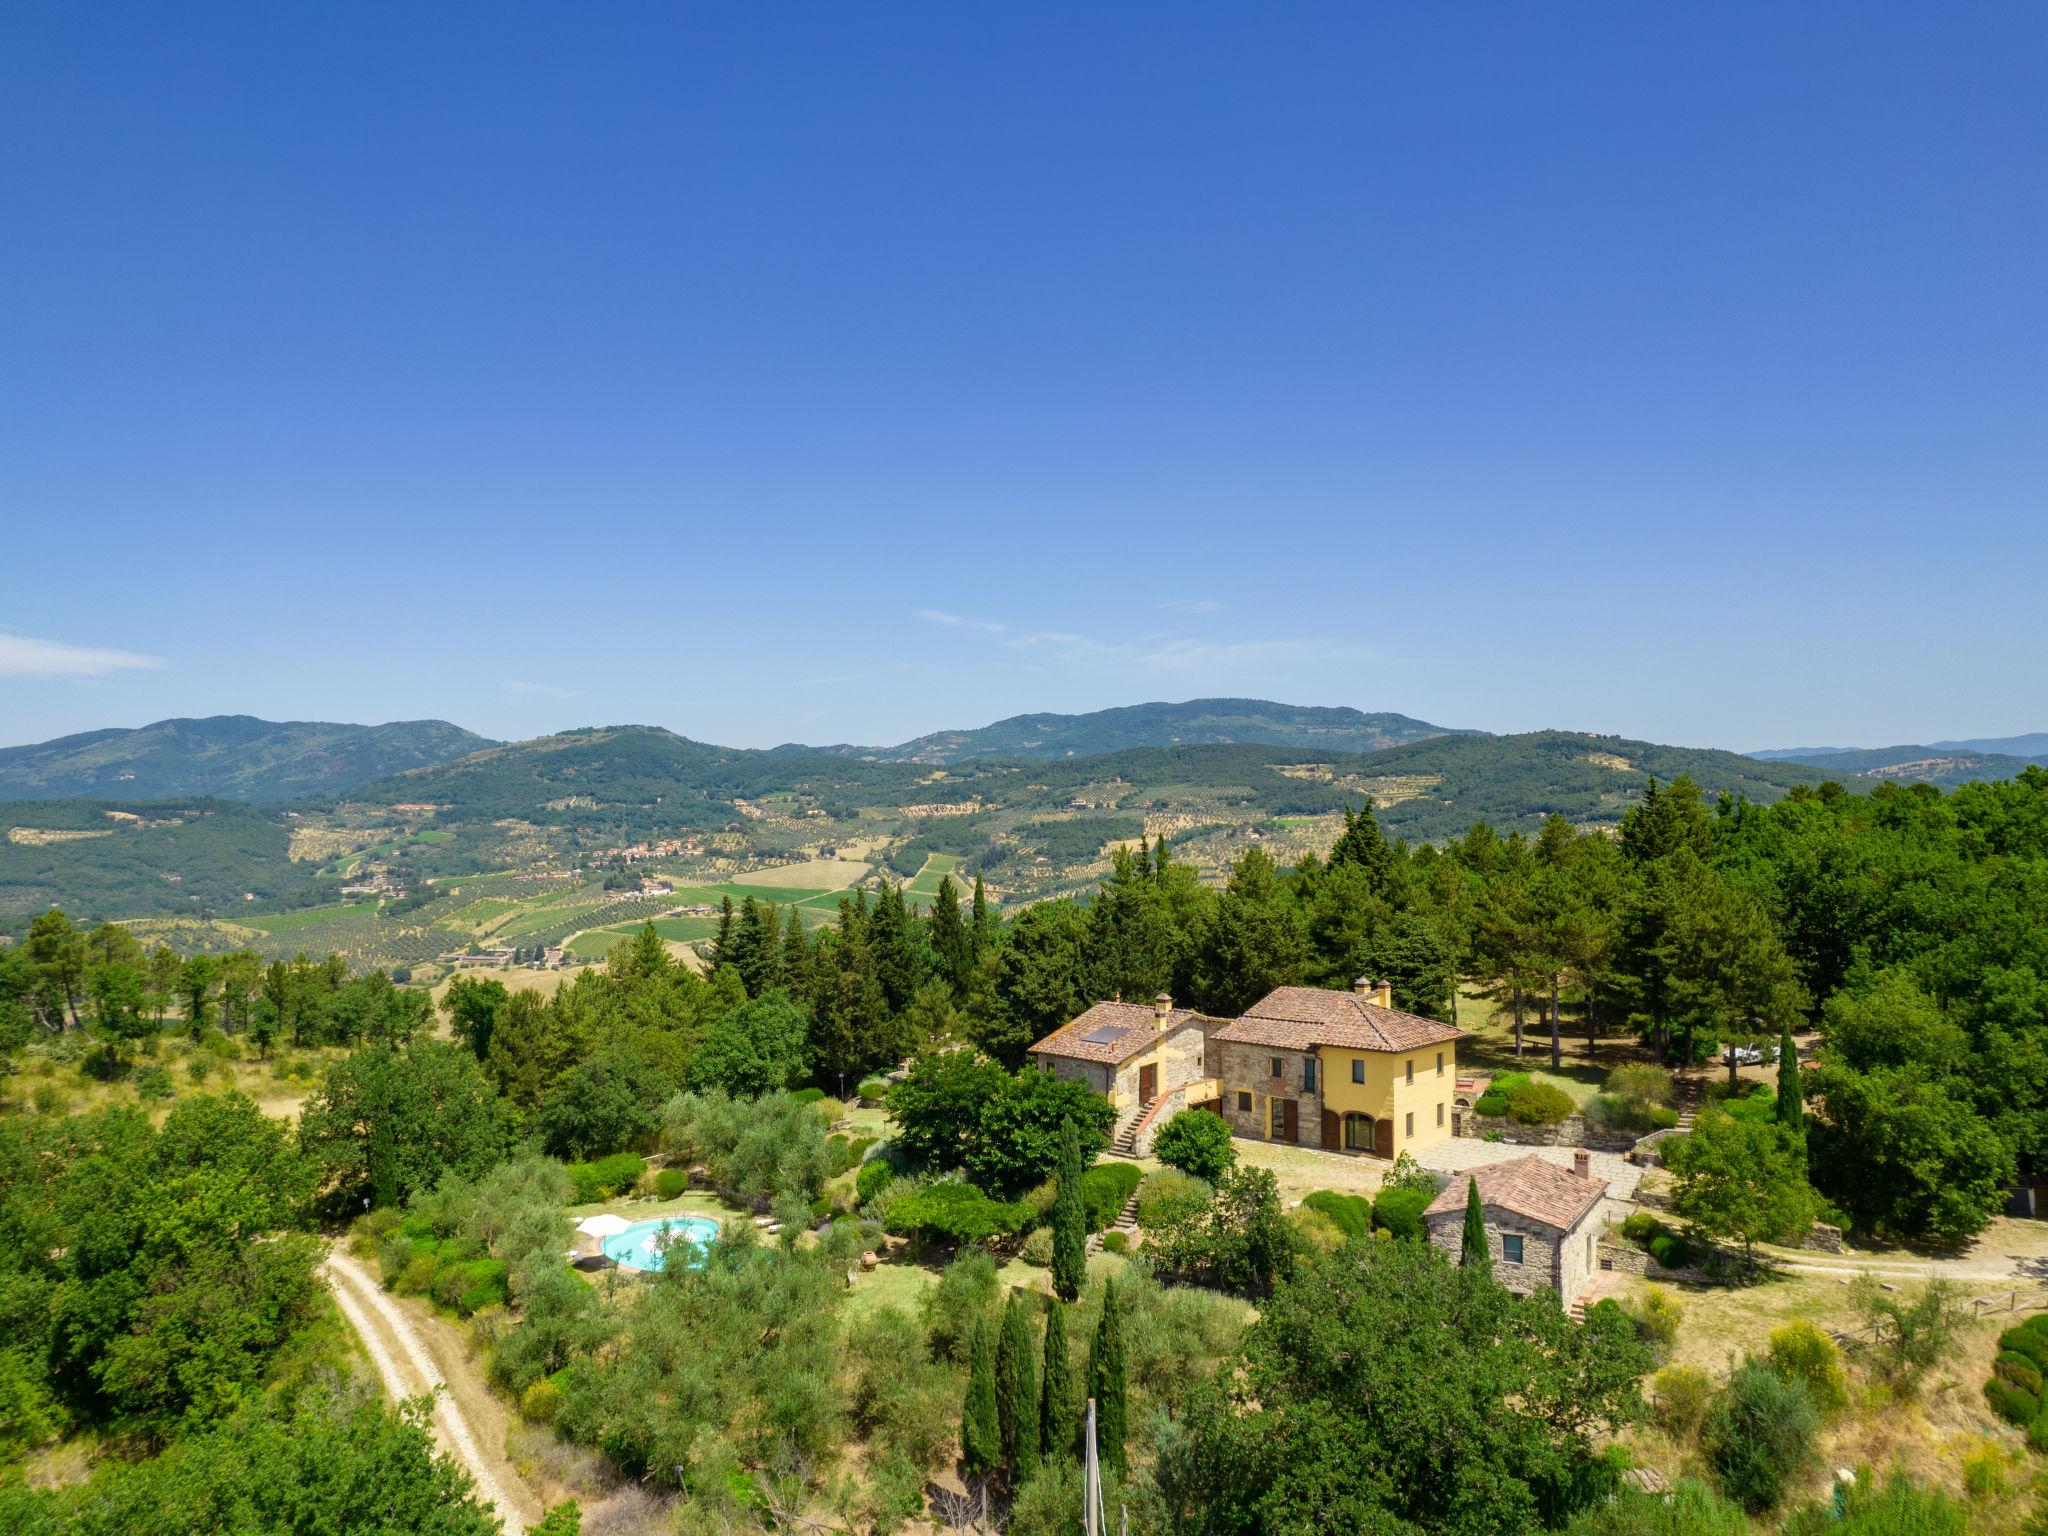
pixel 1411 1069
pixel 1439 1063
pixel 1511 1248
pixel 1439 1114
pixel 1411 1123
pixel 1308 1075
pixel 1357 1069
pixel 1244 1103
pixel 1358 1132
pixel 1275 1060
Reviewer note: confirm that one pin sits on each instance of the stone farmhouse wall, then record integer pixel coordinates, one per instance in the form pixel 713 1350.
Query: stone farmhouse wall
pixel 1551 1260
pixel 1098 1075
pixel 1249 1067
pixel 1179 1057
pixel 1571 1131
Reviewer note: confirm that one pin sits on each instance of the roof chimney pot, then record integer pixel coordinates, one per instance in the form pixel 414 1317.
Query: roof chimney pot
pixel 1383 993
pixel 1162 1005
pixel 1362 986
pixel 1582 1163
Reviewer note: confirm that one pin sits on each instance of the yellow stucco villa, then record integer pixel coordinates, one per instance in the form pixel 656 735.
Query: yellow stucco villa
pixel 1345 1071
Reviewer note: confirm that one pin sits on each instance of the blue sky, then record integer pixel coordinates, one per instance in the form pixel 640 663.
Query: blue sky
pixel 845 372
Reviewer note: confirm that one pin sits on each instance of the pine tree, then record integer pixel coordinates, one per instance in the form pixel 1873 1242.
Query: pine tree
pixel 895 960
pixel 1017 1389
pixel 1361 843
pixel 1791 1097
pixel 1106 1384
pixel 1159 859
pixel 981 1437
pixel 1473 1253
pixel 1142 861
pixel 1056 1427
pixel 1069 1219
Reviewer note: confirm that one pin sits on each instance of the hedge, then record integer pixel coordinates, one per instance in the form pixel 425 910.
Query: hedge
pixel 1399 1211
pixel 2025 1340
pixel 954 1212
pixel 1105 1189
pixel 605 1178
pixel 2019 1370
pixel 1352 1214
pixel 1491 1104
pixel 807 1095
pixel 671 1182
pixel 874 1089
pixel 876 1174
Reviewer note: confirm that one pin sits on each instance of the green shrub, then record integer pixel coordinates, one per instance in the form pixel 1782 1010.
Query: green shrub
pixel 1759 1436
pixel 1352 1214
pixel 2016 1368
pixel 1671 1250
pixel 874 1089
pixel 1611 1112
pixel 153 1082
pixel 417 1275
pixel 2023 1340
pixel 2015 1405
pixel 1640 1226
pixel 2037 1434
pixel 1105 1189
pixel 1641 1081
pixel 1490 1104
pixel 1683 1396
pixel 831 1111
pixel 1801 1352
pixel 1196 1141
pixel 1508 1082
pixel 807 1095
pixel 1169 1196
pixel 1399 1211
pixel 1759 1106
pixel 606 1178
pixel 1656 1315
pixel 963 1296
pixel 1663 1117
pixel 540 1401
pixel 1539 1104
pixel 1037 1247
pixel 671 1182
pixel 484 1285
pixel 875 1176
pixel 1114 1242
pixel 951 1211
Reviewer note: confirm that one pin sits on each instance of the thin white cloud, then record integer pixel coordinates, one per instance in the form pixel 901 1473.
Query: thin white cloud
pixel 541 690
pixel 1172 653
pixel 940 616
pixel 1188 605
pixel 22 657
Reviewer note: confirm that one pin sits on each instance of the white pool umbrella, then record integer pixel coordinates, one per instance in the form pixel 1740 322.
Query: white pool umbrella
pixel 601 1227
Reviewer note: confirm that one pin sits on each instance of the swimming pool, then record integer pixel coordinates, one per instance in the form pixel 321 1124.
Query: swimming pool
pixel 645 1244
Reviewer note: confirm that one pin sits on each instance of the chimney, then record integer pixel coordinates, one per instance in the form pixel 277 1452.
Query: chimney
pixel 1162 1005
pixel 1582 1163
pixel 1363 986
pixel 1383 993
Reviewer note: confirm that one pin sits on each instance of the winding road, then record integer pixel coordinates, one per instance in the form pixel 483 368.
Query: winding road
pixel 408 1369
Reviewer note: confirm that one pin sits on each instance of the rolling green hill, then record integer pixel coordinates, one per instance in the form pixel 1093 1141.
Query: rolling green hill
pixel 1949 765
pixel 1197 722
pixel 234 757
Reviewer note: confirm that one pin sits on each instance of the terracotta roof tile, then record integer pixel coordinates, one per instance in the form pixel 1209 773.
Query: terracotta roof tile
pixel 1126 1028
pixel 1296 1018
pixel 1532 1187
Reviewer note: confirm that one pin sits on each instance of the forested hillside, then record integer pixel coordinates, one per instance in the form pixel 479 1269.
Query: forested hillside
pixel 232 757
pixel 1196 722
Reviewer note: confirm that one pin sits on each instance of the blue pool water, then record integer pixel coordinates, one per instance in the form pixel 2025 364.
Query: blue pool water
pixel 646 1244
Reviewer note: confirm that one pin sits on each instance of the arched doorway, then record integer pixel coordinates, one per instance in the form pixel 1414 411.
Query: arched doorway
pixel 1358 1132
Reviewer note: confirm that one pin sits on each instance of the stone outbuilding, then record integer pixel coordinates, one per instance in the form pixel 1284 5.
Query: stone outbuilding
pixel 1542 1223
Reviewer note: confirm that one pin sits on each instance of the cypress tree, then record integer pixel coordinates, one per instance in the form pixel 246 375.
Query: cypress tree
pixel 1106 1384
pixel 1056 1427
pixel 1791 1096
pixel 796 957
pixel 1069 1219
pixel 949 935
pixel 1017 1389
pixel 979 933
pixel 981 1435
pixel 1473 1254
pixel 1159 860
pixel 721 947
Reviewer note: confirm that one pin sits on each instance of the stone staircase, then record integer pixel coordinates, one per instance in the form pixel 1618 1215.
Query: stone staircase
pixel 1125 1142
pixel 1126 1222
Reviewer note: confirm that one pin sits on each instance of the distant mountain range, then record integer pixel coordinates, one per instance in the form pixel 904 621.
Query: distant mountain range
pixel 231 757
pixel 1197 722
pixel 1939 762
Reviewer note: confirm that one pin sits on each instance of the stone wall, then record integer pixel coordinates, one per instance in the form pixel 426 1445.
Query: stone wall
pixel 1823 1238
pixel 1248 1068
pixel 1571 1131
pixel 1647 1148
pixel 1626 1258
pixel 1551 1260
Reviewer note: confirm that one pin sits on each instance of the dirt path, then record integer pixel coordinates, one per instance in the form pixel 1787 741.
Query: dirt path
pixel 409 1368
